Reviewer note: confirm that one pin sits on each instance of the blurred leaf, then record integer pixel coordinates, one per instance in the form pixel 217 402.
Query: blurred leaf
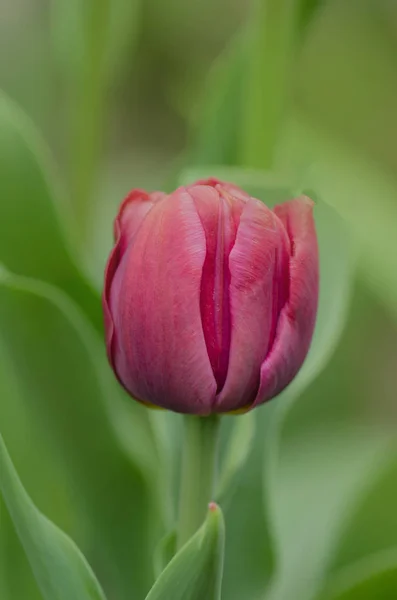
pixel 238 450
pixel 196 571
pixel 308 10
pixel 71 24
pixel 370 578
pixel 344 146
pixel 249 556
pixel 62 371
pixel 273 35
pixel 217 133
pixel 215 136
pixel 345 77
pixel 103 32
pixel 59 567
pixel 4 588
pixel 332 446
pixel 371 530
pixel 32 219
pixel 341 133
pixel 165 551
pixel 356 188
pixel 314 483
pixel 321 467
pixel 16 577
pixel 43 478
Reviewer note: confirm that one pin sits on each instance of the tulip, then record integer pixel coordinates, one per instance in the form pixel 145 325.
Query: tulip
pixel 210 297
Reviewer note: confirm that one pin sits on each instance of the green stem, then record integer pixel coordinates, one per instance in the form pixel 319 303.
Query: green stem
pixel 90 108
pixel 268 75
pixel 199 462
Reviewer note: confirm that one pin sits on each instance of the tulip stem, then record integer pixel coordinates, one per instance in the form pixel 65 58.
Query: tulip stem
pixel 199 466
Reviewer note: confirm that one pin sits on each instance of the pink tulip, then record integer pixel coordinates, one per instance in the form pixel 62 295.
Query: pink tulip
pixel 210 297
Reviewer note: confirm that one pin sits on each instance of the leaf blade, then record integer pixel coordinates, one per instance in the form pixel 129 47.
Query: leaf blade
pixel 59 567
pixel 196 570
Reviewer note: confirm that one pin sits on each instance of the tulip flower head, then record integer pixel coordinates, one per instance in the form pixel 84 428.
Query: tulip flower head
pixel 210 297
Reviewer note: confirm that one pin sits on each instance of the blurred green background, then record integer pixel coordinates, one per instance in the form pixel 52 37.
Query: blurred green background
pixel 279 96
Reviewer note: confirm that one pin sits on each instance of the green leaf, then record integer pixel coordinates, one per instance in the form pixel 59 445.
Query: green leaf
pixel 324 473
pixel 317 464
pixel 72 20
pixel 59 567
pixel 215 137
pixel 349 183
pixel 103 34
pixel 371 529
pixel 345 142
pixel 165 551
pixel 106 447
pixel 196 571
pixel 33 241
pixel 16 576
pixel 373 577
pixel 42 475
pixel 325 455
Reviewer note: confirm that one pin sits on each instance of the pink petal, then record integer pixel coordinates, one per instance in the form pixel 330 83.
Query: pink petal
pixel 132 212
pixel 159 351
pixel 296 323
pixel 230 188
pixel 219 215
pixel 258 266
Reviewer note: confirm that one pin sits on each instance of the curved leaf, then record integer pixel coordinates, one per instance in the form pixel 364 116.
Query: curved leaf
pixel 325 453
pixel 59 567
pixel 71 20
pixel 165 551
pixel 32 217
pixel 42 476
pixel 196 570
pixel 372 577
pixel 371 529
pixel 105 444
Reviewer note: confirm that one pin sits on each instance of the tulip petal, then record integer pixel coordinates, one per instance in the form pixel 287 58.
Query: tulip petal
pixel 219 215
pixel 220 186
pixel 158 349
pixel 297 319
pixel 258 266
pixel 132 212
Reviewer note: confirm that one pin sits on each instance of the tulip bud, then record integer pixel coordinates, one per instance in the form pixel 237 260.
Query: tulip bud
pixel 210 297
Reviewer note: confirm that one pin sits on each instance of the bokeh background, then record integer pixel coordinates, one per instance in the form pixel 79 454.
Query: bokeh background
pixel 100 97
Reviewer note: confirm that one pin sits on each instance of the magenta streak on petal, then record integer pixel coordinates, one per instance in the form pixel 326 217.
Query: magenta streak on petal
pixel 280 283
pixel 221 313
pixel 218 213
